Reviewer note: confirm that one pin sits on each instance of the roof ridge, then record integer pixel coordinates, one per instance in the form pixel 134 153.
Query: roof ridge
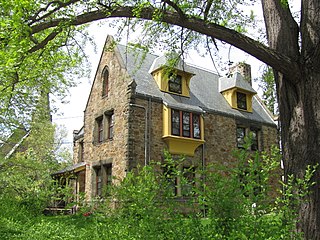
pixel 202 68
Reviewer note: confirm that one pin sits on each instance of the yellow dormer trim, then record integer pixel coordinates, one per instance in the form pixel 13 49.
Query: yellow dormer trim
pixel 162 79
pixel 231 96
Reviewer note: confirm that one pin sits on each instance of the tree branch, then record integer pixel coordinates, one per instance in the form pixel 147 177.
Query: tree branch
pixel 60 5
pixel 175 7
pixel 44 42
pixel 267 55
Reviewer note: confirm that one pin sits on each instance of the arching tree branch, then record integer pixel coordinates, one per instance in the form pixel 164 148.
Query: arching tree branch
pixel 267 55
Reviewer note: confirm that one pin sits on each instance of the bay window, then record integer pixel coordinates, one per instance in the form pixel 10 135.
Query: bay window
pixel 185 124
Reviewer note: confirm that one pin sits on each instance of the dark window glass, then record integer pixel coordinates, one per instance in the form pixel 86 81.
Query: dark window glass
pixel 105 84
pixel 81 151
pixel 196 125
pixel 175 122
pixel 254 140
pixel 175 83
pixel 171 178
pixel 111 126
pixel 241 133
pixel 186 124
pixel 241 101
pixel 188 181
pixel 100 129
pixel 98 182
pixel 108 180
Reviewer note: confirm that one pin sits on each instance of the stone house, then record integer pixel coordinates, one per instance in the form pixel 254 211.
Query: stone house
pixel 137 108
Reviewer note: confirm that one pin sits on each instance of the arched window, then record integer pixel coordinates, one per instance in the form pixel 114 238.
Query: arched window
pixel 105 82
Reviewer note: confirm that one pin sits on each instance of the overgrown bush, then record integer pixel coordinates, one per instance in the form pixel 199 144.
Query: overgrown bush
pixel 224 202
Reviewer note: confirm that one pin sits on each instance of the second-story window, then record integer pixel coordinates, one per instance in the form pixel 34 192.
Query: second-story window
pixel 175 83
pixel 104 129
pixel 105 82
pixel 185 124
pixel 110 125
pixel 242 101
pixel 196 125
pixel 241 133
pixel 81 151
pixel 100 136
pixel 254 140
pixel 252 133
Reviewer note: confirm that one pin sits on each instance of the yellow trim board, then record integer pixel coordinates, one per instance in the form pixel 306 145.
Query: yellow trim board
pixel 182 145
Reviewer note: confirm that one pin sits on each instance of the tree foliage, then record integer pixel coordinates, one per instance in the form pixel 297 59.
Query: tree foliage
pixel 268 87
pixel 220 207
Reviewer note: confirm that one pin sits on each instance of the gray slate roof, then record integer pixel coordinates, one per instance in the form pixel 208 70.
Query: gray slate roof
pixel 161 61
pixel 236 80
pixel 204 88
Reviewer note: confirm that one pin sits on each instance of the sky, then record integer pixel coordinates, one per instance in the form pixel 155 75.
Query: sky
pixel 70 114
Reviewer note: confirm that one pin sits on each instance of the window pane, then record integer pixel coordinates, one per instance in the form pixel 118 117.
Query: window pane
pixel 240 136
pixel 98 182
pixel 186 124
pixel 100 129
pixel 242 101
pixel 108 180
pixel 254 140
pixel 196 126
pixel 175 115
pixel 175 83
pixel 171 180
pixel 105 84
pixel 188 181
pixel 111 125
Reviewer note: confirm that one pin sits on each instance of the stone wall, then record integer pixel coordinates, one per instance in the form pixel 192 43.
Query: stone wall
pixel 220 137
pixel 154 145
pixel 113 150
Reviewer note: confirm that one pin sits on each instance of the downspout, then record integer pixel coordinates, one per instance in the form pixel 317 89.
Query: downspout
pixel 203 173
pixel 149 129
pixel 145 130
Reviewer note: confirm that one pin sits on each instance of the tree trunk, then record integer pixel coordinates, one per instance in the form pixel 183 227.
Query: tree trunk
pixel 299 101
pixel 300 139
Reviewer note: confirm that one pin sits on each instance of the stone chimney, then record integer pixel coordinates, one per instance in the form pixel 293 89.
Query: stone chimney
pixel 244 69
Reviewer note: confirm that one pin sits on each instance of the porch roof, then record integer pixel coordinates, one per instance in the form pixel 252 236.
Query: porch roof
pixel 71 169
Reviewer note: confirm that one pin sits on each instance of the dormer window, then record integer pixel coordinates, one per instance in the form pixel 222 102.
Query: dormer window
pixel 237 91
pixel 241 101
pixel 175 83
pixel 172 79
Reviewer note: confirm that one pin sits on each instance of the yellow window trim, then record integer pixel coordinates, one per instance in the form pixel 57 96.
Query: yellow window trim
pixel 231 96
pixel 162 81
pixel 182 145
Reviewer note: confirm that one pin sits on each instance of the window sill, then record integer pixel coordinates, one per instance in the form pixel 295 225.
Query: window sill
pixel 182 145
pixel 242 110
pixel 104 141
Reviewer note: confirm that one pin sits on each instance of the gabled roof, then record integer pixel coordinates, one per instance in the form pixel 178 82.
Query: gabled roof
pixel 236 80
pixel 204 88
